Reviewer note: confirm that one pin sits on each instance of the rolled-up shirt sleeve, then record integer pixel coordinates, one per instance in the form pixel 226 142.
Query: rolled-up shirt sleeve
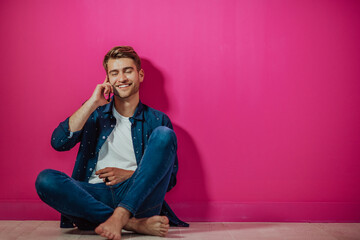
pixel 63 139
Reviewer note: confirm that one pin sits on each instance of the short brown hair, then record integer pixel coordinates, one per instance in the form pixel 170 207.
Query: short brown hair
pixel 122 52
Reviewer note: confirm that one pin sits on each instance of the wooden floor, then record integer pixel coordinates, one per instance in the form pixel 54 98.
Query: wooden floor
pixel 38 230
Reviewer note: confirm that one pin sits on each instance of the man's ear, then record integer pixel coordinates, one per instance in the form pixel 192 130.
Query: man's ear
pixel 141 75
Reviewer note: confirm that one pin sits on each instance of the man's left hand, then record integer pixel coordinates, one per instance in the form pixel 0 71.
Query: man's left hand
pixel 112 176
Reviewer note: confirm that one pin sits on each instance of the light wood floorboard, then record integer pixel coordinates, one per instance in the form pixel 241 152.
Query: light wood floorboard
pixel 39 230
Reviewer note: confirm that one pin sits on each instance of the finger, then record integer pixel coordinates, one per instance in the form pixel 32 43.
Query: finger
pixel 107 89
pixel 99 171
pixel 110 87
pixel 110 90
pixel 106 79
pixel 111 183
pixel 104 170
pixel 111 178
pixel 108 174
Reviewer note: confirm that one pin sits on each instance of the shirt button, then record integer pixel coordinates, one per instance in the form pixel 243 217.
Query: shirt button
pixel 112 125
pixel 104 137
pixel 90 169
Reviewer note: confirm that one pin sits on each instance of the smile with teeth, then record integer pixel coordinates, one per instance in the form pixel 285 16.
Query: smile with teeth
pixel 123 85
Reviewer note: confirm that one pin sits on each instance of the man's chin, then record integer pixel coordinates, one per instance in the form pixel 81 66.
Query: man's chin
pixel 122 96
pixel 125 95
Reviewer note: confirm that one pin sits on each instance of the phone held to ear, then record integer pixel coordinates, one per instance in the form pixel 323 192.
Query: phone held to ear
pixel 109 95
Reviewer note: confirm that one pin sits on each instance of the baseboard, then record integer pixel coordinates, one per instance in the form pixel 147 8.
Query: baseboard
pixel 215 211
pixel 269 211
pixel 27 210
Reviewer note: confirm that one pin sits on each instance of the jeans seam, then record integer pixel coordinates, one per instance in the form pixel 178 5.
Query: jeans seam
pixel 113 197
pixel 129 187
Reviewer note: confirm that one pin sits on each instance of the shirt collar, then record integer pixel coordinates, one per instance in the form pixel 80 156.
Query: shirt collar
pixel 138 114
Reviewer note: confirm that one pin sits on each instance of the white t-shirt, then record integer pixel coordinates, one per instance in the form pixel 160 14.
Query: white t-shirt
pixel 118 150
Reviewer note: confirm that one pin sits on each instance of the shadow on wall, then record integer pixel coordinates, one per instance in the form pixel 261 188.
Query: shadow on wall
pixel 191 187
pixel 152 91
pixel 190 198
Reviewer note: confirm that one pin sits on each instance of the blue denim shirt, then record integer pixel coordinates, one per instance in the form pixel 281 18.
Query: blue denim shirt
pixel 93 135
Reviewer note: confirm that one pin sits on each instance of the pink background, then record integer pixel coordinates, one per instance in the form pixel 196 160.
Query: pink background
pixel 264 97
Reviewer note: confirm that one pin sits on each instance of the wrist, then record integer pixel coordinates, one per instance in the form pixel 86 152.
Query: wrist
pixel 92 104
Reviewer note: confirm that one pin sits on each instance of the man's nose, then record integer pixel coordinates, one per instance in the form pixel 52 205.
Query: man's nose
pixel 122 77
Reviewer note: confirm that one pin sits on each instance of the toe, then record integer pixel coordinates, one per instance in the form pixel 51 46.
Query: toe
pixel 99 230
pixel 163 233
pixel 108 235
pixel 164 220
pixel 164 226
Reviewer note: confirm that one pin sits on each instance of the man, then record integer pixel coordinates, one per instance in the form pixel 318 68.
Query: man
pixel 126 161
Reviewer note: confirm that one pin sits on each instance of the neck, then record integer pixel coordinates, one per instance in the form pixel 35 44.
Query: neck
pixel 126 106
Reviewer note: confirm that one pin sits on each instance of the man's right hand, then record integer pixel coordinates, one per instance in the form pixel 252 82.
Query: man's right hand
pixel 78 119
pixel 98 97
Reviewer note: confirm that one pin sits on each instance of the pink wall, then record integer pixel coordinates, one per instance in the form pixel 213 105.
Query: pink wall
pixel 264 96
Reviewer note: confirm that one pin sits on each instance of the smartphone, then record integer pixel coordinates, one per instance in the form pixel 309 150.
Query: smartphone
pixel 109 96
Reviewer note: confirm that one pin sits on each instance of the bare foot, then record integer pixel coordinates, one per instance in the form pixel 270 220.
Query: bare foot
pixel 111 228
pixel 155 225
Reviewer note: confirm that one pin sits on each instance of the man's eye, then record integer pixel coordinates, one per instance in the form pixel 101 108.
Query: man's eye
pixel 113 74
pixel 128 71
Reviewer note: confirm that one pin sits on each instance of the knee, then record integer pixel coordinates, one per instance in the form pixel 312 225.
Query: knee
pixel 164 136
pixel 45 181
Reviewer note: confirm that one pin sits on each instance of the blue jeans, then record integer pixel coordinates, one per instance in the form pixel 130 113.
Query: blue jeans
pixel 89 205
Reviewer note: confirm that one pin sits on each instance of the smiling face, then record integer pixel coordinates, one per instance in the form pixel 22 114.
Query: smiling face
pixel 124 77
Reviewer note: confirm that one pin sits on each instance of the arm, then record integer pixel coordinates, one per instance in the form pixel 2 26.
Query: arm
pixel 68 133
pixel 79 118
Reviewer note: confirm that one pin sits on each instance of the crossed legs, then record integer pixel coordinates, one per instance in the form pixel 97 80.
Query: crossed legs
pixel 137 201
